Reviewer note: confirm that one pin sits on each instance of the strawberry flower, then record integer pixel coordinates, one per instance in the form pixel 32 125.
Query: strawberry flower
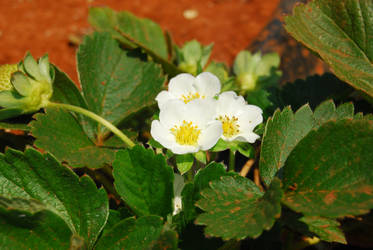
pixel 238 118
pixel 187 127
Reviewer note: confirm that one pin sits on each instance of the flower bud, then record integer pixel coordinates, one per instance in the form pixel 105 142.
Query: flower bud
pixel 27 88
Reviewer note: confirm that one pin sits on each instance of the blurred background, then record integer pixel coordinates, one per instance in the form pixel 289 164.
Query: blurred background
pixel 56 27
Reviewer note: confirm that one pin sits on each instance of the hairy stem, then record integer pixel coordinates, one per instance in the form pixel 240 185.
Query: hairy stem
pixel 97 118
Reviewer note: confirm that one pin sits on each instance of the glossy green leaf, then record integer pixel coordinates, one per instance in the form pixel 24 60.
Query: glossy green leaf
pixel 282 133
pixel 77 201
pixel 329 172
pixel 341 34
pixel 211 172
pixel 144 233
pixel 115 83
pixel 142 30
pixel 285 129
pixel 41 230
pixel 59 132
pixel 144 181
pixel 134 32
pixel 235 208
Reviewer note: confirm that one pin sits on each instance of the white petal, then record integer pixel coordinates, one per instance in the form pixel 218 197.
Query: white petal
pixel 207 84
pixel 162 134
pixel 183 149
pixel 178 205
pixel 229 104
pixel 172 113
pixel 200 111
pixel 182 84
pixel 210 136
pixel 163 97
pixel 249 118
pixel 247 137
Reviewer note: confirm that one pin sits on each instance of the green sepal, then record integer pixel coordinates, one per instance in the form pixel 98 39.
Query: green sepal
pixel 31 67
pixel 21 83
pixel 200 156
pixel 244 148
pixel 184 162
pixel 45 70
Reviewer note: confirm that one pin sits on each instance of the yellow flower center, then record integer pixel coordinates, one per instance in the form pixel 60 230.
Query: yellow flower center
pixel 191 96
pixel 230 125
pixel 6 71
pixel 186 134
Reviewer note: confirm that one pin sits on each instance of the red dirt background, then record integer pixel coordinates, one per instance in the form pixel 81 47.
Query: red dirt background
pixel 45 26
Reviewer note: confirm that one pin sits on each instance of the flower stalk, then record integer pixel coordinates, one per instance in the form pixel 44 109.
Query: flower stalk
pixel 97 118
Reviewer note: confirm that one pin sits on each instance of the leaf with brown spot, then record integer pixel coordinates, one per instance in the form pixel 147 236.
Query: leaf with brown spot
pixel 340 32
pixel 77 201
pixel 285 129
pixel 327 229
pixel 237 215
pixel 336 187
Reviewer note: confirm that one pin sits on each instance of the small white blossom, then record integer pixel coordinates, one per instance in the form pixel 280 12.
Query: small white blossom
pixel 187 127
pixel 238 118
pixel 186 88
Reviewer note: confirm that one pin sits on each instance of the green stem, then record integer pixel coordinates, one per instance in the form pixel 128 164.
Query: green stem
pixel 97 118
pixel 232 160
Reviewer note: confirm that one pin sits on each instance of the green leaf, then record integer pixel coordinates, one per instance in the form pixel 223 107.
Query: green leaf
pixel 327 229
pixel 41 230
pixel 144 233
pixel 211 172
pixel 115 83
pixel 77 201
pixel 184 162
pixel 329 172
pixel 59 132
pixel 14 126
pixel 284 131
pixel 144 181
pixel 9 113
pixel 142 30
pixel 236 208
pixel 341 35
pixel 134 32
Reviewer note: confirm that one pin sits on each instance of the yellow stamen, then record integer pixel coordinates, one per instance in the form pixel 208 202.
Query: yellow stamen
pixel 186 134
pixel 230 125
pixel 191 96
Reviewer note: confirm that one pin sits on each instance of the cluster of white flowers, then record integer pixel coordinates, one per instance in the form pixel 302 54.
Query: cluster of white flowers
pixel 194 115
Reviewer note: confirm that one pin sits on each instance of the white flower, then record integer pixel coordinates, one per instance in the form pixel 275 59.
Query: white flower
pixel 186 87
pixel 187 128
pixel 238 118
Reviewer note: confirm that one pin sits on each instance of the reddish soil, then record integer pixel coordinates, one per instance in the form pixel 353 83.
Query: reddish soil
pixel 45 26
